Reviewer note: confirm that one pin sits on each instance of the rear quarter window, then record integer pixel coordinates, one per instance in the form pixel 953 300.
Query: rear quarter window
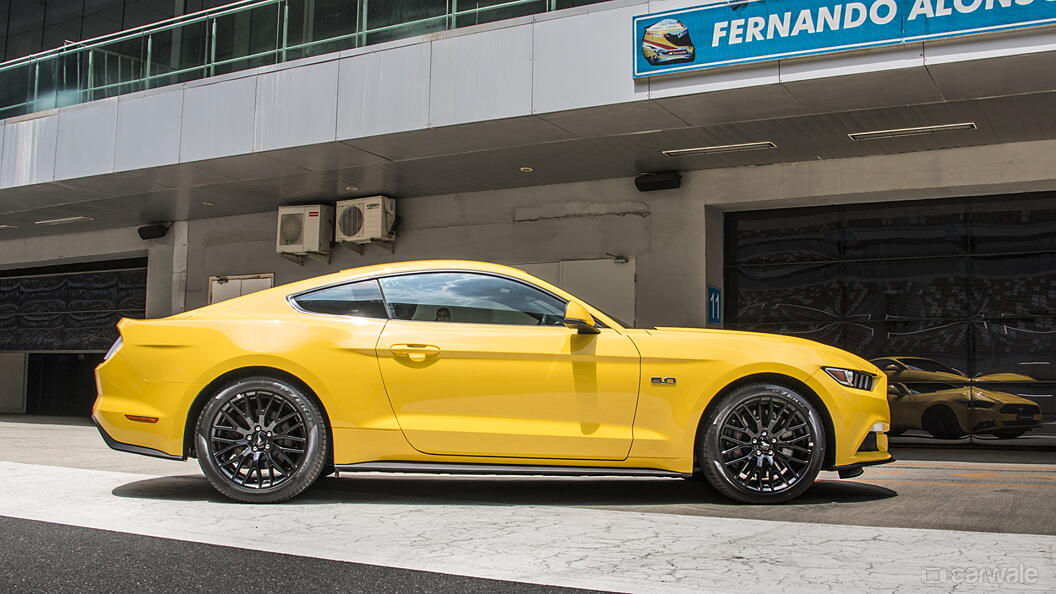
pixel 360 299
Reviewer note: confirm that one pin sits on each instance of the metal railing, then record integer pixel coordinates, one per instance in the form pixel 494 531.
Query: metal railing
pixel 229 38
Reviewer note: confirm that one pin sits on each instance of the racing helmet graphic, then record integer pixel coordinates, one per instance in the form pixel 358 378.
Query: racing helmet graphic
pixel 667 42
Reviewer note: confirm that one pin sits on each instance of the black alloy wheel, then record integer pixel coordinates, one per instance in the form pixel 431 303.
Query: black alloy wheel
pixel 261 440
pixel 763 443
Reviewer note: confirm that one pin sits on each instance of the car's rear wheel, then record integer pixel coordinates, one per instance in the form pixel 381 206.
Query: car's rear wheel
pixel 261 440
pixel 762 443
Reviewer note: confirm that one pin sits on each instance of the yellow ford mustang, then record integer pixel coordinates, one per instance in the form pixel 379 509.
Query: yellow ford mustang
pixel 468 367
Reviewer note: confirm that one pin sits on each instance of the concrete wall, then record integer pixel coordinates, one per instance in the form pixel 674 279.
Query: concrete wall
pixel 12 383
pixel 664 230
pixel 676 235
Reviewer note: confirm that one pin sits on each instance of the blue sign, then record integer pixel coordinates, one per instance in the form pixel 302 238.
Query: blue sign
pixel 748 31
pixel 714 305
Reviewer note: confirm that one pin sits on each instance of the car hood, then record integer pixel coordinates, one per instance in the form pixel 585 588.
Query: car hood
pixel 828 355
pixel 1002 397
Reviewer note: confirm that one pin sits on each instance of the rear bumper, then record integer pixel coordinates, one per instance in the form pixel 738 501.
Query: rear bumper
pixel 132 449
pixel 124 395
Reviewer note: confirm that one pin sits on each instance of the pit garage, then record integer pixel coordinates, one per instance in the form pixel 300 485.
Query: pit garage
pixel 954 299
pixel 55 325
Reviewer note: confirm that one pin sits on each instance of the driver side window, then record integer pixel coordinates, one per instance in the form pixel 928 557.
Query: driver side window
pixel 469 298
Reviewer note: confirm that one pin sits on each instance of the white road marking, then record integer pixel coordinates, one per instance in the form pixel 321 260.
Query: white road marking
pixel 588 548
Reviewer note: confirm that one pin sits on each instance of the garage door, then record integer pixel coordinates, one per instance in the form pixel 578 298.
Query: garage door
pixel 61 320
pixel 70 310
pixel 954 299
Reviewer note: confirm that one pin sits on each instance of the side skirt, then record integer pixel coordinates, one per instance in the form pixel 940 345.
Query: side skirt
pixel 504 469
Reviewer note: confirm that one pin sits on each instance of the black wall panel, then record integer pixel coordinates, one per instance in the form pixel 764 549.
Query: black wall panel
pixel 964 285
pixel 72 311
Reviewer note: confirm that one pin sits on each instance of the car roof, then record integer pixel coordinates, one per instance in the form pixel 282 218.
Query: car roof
pixel 274 299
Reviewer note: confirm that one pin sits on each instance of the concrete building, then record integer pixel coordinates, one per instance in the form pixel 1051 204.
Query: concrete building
pixel 890 193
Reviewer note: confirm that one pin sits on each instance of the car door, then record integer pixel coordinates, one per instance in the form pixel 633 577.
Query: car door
pixel 481 365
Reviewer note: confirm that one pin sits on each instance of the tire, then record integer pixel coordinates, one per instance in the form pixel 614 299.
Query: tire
pixel 1009 433
pixel 262 440
pixel 942 423
pixel 757 429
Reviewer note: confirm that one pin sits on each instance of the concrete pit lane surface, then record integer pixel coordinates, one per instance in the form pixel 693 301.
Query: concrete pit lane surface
pixel 923 523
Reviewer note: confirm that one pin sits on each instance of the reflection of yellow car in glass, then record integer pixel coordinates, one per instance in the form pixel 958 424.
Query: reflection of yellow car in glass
pixel 920 369
pixel 468 367
pixel 667 42
pixel 926 395
pixel 948 411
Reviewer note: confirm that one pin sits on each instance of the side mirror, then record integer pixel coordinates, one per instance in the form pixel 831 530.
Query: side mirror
pixel 579 319
pixel 896 390
pixel 892 368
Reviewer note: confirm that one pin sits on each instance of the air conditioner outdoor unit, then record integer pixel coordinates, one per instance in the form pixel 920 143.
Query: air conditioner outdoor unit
pixel 305 230
pixel 363 220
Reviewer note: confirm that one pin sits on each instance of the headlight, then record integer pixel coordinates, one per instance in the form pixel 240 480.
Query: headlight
pixel 852 378
pixel 113 349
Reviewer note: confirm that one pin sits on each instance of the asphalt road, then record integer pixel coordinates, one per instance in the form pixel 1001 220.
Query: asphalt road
pixel 164 527
pixel 46 557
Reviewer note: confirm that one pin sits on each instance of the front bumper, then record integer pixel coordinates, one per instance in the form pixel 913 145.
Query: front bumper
pixel 853 470
pixel 856 415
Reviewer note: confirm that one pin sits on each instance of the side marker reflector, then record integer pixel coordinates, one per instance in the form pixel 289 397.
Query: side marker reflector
pixel 140 419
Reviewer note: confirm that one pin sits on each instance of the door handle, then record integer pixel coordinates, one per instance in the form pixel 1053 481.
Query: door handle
pixel 415 352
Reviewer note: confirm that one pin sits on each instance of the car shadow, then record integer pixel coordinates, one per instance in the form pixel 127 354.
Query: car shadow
pixel 475 490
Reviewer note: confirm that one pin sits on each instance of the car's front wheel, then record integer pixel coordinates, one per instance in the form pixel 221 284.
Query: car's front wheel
pixel 261 440
pixel 762 443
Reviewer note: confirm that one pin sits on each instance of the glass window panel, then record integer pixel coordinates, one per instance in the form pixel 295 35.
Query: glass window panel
pixel 1007 224
pixel 826 333
pixel 247 34
pixel 62 22
pixel 46 83
pixel 787 293
pixel 101 17
pixel 1024 348
pixel 4 6
pixel 71 78
pixel 362 299
pixel 934 351
pixel 559 4
pixel 494 10
pixel 1016 363
pixel 317 20
pixel 179 55
pixel 16 85
pixel 1014 286
pixel 910 288
pixel 902 229
pixel 801 236
pixel 118 67
pixel 25 32
pixel 144 12
pixel 472 298
pixel 405 18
